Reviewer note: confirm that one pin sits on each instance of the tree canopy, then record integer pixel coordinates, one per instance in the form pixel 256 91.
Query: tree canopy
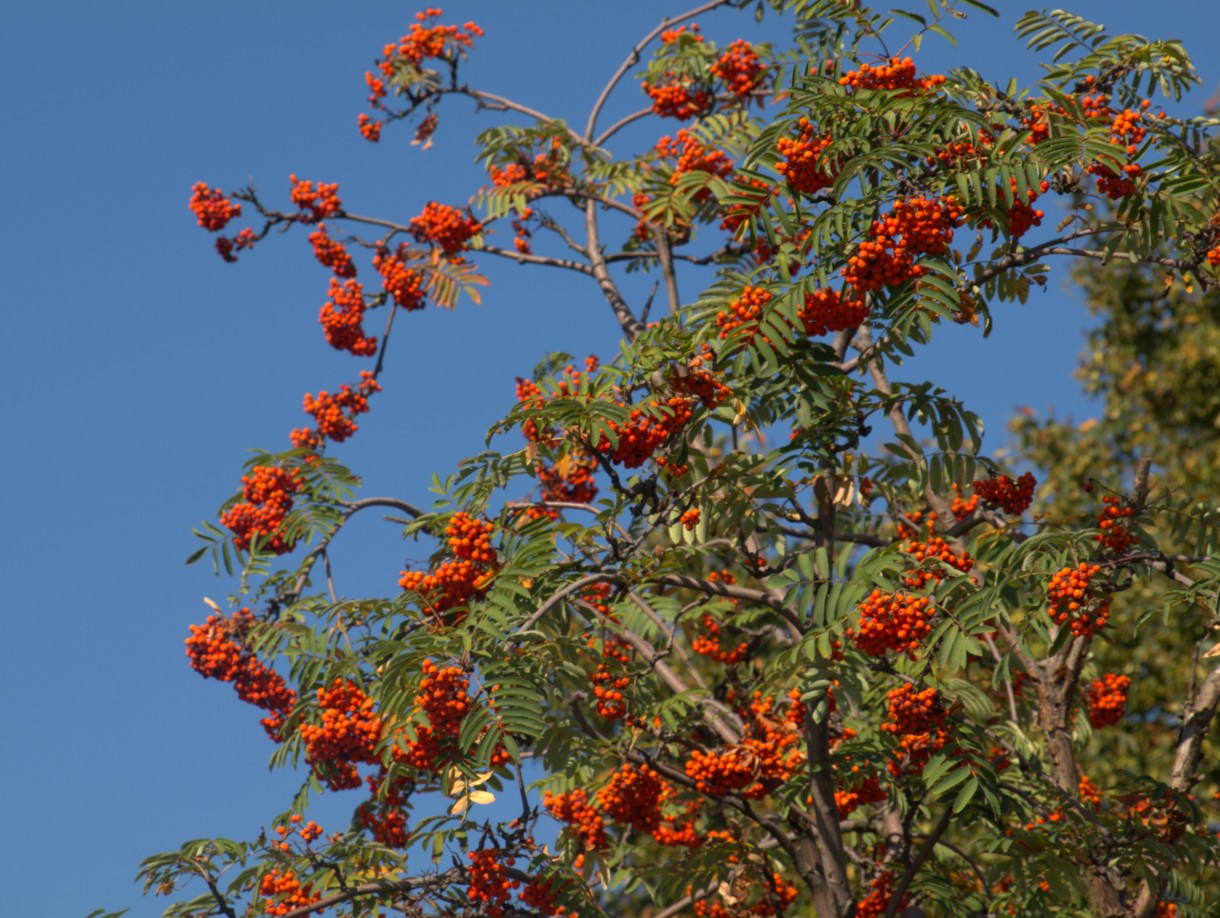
pixel 732 620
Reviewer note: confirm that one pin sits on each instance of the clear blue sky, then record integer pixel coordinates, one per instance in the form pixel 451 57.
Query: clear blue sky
pixel 140 368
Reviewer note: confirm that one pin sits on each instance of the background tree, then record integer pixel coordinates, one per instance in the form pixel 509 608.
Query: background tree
pixel 749 664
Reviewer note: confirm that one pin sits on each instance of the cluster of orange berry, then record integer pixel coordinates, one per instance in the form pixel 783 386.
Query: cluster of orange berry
pixel 335 415
pixel 370 128
pixel 448 228
pixel 826 310
pixel 421 43
pixel 1022 216
pixel 896 73
pixel 216 652
pixel 318 202
pixel 740 68
pixel 1073 603
pixel 916 718
pixel 383 815
pixel 776 894
pixel 444 700
pixel 932 548
pixel 1107 698
pixel 707 644
pixel 308 832
pixel 918 225
pixel 490 883
pixel 767 756
pixel 331 253
pixel 633 797
pixel 342 318
pixel 548 168
pixel 466 576
pixel 962 507
pixel 268 499
pixel 582 819
pixel 1089 792
pixel 678 97
pixel 893 621
pixel 698 380
pixel 804 168
pixel 607 685
pixel 1013 497
pixel 428 41
pixel 284 893
pixel 570 479
pixel 1114 532
pixel 347 733
pixel 692 156
pixel 744 312
pixel 212 208
pixel 227 246
pixel 214 211
pixel 645 433
pixel 881 893
pixel 964 150
pixel 865 791
pixel 402 283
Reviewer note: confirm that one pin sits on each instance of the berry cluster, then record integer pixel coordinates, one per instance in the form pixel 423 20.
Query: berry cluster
pixel 744 312
pixel 881 893
pixel 268 499
pixel 1013 497
pixel 342 319
pixel 915 719
pixel 347 733
pixel 804 167
pixel 370 128
pixel 678 97
pixel 583 820
pixel 331 253
pixel 448 228
pixel 308 832
pixel 1114 532
pixel 893 621
pixel 335 415
pixel 1089 792
pixel 490 883
pixel 428 41
pixel 227 246
pixel 692 156
pixel 633 797
pixel 402 283
pixel 466 576
pixel 1073 603
pixel 216 651
pixel 699 383
pixel 918 225
pixel 894 74
pixel 707 644
pixel 826 310
pixel 963 507
pixel 212 208
pixel 767 756
pixel 740 68
pixel 317 202
pixel 1107 699
pixel 864 791
pixel 444 700
pixel 933 554
pixel 284 893
pixel 570 479
pixel 644 433
pixel 738 898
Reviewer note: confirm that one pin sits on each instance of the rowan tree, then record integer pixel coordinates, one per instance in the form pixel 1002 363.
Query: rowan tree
pixel 733 621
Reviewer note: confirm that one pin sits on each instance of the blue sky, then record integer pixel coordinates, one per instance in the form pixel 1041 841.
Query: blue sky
pixel 140 368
